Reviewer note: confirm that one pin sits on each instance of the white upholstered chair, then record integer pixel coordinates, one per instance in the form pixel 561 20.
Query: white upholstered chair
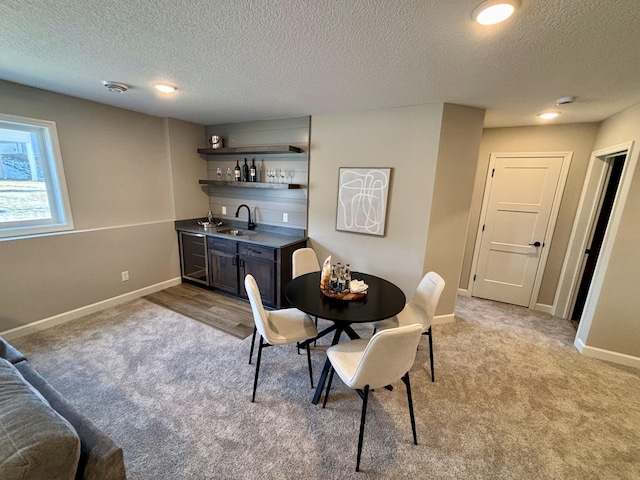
pixel 367 364
pixel 277 327
pixel 421 309
pixel 303 261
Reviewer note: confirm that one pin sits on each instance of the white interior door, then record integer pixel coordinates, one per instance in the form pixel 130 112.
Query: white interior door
pixel 522 196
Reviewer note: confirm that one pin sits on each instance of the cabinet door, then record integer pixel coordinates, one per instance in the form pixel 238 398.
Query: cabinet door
pixel 223 265
pixel 259 262
pixel 193 257
pixel 224 272
pixel 265 275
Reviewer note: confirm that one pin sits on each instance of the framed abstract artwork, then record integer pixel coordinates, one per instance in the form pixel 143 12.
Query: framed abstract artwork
pixel 362 200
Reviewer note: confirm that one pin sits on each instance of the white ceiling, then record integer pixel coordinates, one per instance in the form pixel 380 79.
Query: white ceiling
pixel 241 60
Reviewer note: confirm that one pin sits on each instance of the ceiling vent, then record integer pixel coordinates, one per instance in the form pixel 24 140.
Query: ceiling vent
pixel 115 87
pixel 565 100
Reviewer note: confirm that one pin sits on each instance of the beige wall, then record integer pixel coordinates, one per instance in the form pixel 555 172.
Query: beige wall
pixel 118 171
pixel 615 325
pixel 455 173
pixel 187 167
pixel 426 146
pixel 576 138
pixel 405 139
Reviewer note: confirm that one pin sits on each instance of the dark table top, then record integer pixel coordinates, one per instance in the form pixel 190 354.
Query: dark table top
pixel 383 300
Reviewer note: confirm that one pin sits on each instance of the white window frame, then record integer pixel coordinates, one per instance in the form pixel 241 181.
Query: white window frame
pixel 54 178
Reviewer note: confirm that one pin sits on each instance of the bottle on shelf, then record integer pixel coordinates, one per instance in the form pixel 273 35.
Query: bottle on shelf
pixel 237 172
pixel 245 171
pixel 252 171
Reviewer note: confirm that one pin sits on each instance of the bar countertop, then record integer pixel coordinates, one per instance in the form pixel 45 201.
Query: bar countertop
pixel 267 236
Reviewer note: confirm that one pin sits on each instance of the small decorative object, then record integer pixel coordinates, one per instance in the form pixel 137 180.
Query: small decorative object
pixel 362 200
pixel 216 141
pixel 336 282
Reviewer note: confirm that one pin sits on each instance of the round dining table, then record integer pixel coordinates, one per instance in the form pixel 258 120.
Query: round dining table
pixel 383 300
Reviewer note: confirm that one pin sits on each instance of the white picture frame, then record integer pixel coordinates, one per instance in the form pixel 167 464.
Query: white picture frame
pixel 362 200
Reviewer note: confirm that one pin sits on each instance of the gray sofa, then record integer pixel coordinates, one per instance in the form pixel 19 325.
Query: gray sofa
pixel 42 435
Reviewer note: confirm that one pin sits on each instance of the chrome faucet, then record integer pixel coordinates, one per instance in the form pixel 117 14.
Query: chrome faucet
pixel 250 224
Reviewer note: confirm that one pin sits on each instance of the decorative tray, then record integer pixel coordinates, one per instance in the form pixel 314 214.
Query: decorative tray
pixel 348 296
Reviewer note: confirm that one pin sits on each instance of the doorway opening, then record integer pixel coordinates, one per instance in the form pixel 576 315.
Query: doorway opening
pixel 614 168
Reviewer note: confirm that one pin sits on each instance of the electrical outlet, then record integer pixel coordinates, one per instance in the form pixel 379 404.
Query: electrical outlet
pixel 125 276
pixel 285 217
pixel 224 210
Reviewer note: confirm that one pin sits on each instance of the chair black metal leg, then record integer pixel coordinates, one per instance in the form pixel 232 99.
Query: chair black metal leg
pixel 314 342
pixel 430 333
pixel 326 394
pixel 309 362
pixel 253 342
pixel 405 379
pixel 365 397
pixel 255 380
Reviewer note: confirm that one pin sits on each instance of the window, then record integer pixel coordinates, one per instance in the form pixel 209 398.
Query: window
pixel 33 191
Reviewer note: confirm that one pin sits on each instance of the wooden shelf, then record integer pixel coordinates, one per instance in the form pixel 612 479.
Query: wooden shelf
pixel 256 149
pixel 275 186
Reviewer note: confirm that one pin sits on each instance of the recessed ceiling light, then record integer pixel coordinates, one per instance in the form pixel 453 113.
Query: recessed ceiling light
pixel 115 87
pixel 165 88
pixel 494 11
pixel 548 115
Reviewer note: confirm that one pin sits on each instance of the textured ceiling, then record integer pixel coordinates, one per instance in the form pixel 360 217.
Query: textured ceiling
pixel 257 59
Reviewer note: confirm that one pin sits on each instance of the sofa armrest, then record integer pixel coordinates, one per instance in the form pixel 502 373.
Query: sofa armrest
pixel 9 352
pixel 100 457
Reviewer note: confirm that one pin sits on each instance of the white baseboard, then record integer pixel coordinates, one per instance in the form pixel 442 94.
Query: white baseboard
pixel 86 310
pixel 599 353
pixel 541 307
pixel 442 319
pixel 463 292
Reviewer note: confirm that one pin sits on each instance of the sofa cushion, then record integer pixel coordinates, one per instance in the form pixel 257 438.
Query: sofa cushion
pixel 35 441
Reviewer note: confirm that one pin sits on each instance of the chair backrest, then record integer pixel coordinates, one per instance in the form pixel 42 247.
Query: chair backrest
pixel 427 296
pixel 388 356
pixel 260 316
pixel 303 261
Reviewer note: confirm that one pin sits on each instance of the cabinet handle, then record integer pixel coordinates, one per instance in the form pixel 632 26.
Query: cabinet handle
pixel 233 262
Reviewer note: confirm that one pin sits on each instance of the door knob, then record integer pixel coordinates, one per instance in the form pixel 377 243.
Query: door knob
pixel 535 244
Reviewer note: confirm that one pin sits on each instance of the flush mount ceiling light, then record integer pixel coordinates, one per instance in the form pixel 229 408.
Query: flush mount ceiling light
pixel 165 88
pixel 548 115
pixel 494 11
pixel 115 87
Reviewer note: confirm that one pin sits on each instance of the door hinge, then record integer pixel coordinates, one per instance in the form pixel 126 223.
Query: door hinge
pixel 483 228
pixel 474 278
pixel 492 172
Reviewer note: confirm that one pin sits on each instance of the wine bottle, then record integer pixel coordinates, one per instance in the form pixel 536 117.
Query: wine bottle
pixel 245 171
pixel 252 171
pixel 237 172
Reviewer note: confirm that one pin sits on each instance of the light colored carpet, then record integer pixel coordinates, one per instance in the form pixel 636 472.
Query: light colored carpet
pixel 512 400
